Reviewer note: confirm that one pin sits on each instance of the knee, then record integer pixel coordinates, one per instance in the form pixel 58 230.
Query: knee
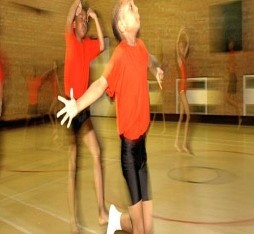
pixel 188 117
pixel 180 118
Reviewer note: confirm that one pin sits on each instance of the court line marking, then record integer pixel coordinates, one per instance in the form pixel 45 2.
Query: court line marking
pixel 39 208
pixel 241 221
pixel 15 226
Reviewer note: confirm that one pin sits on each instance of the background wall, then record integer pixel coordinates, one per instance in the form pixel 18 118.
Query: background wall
pixel 32 38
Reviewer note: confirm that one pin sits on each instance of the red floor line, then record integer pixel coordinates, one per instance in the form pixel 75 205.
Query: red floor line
pixel 251 220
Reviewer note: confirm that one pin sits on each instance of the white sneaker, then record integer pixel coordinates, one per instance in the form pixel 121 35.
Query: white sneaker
pixel 114 220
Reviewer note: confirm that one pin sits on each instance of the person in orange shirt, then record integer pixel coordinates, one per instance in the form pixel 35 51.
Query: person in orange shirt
pixel 1 86
pixel 34 83
pixel 3 75
pixel 125 79
pixel 182 47
pixel 52 78
pixel 80 52
pixel 232 81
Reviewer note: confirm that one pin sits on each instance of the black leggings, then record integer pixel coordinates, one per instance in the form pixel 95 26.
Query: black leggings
pixel 134 168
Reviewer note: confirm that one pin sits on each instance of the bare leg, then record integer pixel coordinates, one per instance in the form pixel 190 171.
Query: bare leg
pixel 185 104
pixel 147 214
pixel 52 113
pixel 91 142
pixel 72 187
pixel 178 127
pixel 231 99
pixel 139 219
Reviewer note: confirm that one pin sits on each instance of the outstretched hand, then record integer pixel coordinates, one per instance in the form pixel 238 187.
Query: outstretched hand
pixel 70 110
pixel 159 76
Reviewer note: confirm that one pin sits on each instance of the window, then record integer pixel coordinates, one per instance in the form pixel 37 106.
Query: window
pixel 225 26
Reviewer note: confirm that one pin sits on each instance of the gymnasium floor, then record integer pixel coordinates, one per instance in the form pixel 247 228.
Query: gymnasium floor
pixel 210 192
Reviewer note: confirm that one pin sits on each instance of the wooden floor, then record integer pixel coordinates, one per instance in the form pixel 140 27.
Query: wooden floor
pixel 209 192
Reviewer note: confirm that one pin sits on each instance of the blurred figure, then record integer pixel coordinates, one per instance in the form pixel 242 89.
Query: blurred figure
pixel 182 47
pixel 80 51
pixel 52 77
pixel 3 75
pixel 232 82
pixel 1 106
pixel 34 83
pixel 1 86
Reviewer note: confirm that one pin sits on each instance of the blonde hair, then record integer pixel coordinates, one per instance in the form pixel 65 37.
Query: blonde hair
pixel 115 19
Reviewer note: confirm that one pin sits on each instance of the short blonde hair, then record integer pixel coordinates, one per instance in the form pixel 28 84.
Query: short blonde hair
pixel 115 19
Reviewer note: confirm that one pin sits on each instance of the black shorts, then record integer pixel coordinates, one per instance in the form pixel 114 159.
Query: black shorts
pixel 134 168
pixel 79 120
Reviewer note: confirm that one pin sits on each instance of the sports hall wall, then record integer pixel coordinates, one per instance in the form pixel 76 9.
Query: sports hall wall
pixel 32 43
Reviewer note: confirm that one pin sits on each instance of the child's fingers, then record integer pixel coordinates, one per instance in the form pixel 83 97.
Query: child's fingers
pixel 71 93
pixel 69 122
pixel 61 112
pixel 62 99
pixel 64 118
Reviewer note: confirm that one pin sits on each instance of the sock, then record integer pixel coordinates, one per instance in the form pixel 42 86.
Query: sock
pixel 114 222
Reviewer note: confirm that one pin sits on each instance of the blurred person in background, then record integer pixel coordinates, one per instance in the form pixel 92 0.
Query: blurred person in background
pixel 182 48
pixel 232 81
pixel 1 86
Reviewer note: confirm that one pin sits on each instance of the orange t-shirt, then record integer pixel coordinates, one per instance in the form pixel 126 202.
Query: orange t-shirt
pixel 78 56
pixel 182 86
pixel 126 75
pixel 1 72
pixel 231 62
pixel 34 84
pixel 54 85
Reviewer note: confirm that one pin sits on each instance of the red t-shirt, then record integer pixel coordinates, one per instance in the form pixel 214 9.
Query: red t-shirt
pixel 126 75
pixel 34 84
pixel 1 68
pixel 54 85
pixel 182 86
pixel 231 62
pixel 78 56
pixel 1 72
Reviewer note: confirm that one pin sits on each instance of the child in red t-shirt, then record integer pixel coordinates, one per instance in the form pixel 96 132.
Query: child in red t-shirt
pixel 80 51
pixel 125 79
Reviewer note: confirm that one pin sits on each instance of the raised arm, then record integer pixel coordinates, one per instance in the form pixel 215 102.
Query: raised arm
pixel 93 15
pixel 72 107
pixel 182 32
pixel 187 43
pixel 74 10
pixel 155 69
pixel 94 92
pixel 177 45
